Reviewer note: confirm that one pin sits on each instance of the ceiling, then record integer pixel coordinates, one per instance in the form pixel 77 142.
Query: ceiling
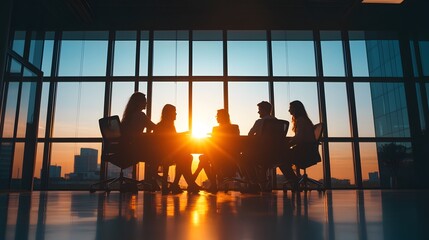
pixel 220 14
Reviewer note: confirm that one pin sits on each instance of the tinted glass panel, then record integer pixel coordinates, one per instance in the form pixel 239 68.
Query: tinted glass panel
pixel 424 56
pixel 369 163
pixel 293 53
pixel 286 92
pixel 170 53
pixel 243 100
pixel 48 50
pixel 364 111
pixel 247 53
pixel 342 170
pixel 78 108
pixel 337 110
pixel 207 58
pixel 124 62
pixel 332 54
pixel 74 165
pixel 175 93
pixel 83 54
pixel 206 100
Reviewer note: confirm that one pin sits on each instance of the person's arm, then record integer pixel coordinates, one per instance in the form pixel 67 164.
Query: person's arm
pixel 256 128
pixel 150 126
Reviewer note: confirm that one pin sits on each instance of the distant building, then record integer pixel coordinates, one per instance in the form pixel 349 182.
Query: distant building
pixel 54 171
pixel 373 177
pixel 86 161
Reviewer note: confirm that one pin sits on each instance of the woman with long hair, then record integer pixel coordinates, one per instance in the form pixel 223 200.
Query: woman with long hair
pixel 303 128
pixel 133 125
pixel 170 152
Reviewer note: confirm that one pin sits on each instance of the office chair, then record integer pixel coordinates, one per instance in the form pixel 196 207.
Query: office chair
pixel 114 152
pixel 268 151
pixel 309 158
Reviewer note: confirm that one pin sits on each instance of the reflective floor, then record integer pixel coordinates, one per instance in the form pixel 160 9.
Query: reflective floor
pixel 337 214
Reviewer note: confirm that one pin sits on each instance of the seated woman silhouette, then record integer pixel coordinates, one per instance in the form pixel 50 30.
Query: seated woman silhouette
pixel 303 128
pixel 219 162
pixel 133 124
pixel 169 152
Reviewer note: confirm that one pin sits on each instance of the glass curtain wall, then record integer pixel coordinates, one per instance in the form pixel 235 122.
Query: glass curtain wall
pixel 353 80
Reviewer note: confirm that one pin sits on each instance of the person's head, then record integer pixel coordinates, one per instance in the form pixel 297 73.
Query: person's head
pixel 297 109
pixel 264 109
pixel 136 103
pixel 168 113
pixel 222 117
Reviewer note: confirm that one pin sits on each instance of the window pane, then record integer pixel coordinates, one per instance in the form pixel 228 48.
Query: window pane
pixel 286 92
pixel 17 165
pixel 424 56
pixel 207 53
pixel 243 100
pixel 144 53
pixel 369 164
pixel 26 105
pixel 382 55
pixel 390 110
pixel 79 105
pixel 337 110
pixel 19 42
pixel 175 93
pixel 359 58
pixel 364 112
pixel 396 165
pixel 206 100
pixel 36 49
pixel 11 103
pixel 121 93
pixel 171 53
pixel 332 54
pixel 6 160
pixel 48 50
pixel 293 53
pixel 43 109
pixel 74 165
pixel 342 170
pixel 38 166
pixel 125 54
pixel 247 57
pixel 83 54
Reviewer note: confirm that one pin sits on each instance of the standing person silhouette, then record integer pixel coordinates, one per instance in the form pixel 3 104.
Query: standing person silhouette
pixel 303 128
pixel 219 161
pixel 170 152
pixel 133 124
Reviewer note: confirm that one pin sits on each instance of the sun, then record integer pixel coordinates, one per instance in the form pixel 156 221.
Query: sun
pixel 200 130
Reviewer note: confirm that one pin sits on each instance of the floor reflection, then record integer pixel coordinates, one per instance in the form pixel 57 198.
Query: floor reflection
pixel 339 214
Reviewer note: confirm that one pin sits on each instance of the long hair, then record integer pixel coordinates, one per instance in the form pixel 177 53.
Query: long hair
pixel 167 112
pixel 299 111
pixel 135 103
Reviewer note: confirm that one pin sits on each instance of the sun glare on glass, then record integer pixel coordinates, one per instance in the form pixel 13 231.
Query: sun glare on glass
pixel 200 130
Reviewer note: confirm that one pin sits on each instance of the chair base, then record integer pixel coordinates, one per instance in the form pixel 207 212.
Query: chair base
pixel 304 183
pixel 125 184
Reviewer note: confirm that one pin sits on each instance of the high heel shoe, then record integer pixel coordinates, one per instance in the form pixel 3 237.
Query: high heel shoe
pixel 175 189
pixel 194 188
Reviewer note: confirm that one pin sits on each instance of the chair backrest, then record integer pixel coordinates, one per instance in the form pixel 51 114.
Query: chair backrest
pixel 273 139
pixel 318 130
pixel 310 152
pixel 110 128
pixel 112 152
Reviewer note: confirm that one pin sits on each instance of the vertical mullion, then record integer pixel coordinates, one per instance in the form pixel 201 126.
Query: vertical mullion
pixel 352 110
pixel 225 70
pixel 322 108
pixel 190 82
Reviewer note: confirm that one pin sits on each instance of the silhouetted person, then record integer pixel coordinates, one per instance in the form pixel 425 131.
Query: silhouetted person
pixel 253 155
pixel 170 152
pixel 303 128
pixel 219 162
pixel 264 110
pixel 133 124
